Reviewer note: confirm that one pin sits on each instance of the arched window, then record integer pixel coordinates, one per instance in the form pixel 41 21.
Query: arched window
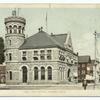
pixel 35 73
pixel 7 29
pixel 10 56
pixel 68 75
pixel 15 29
pixel 10 29
pixel 9 42
pixel 24 74
pixel 49 73
pixel 10 74
pixel 19 29
pixel 23 30
pixel 42 73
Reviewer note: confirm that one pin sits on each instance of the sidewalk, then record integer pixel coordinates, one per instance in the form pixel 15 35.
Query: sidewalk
pixel 78 84
pixel 42 86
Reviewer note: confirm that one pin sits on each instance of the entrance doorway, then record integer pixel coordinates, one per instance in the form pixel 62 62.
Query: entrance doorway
pixel 68 75
pixel 24 74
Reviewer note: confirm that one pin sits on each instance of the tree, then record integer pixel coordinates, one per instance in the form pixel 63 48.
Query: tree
pixel 2 58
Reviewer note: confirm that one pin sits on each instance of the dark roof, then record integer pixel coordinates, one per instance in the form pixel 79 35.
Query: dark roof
pixel 60 38
pixel 43 40
pixel 84 59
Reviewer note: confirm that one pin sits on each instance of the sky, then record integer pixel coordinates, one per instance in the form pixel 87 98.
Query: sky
pixel 80 22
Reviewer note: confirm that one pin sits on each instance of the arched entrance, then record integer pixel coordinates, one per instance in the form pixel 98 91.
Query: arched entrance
pixel 24 74
pixel 68 74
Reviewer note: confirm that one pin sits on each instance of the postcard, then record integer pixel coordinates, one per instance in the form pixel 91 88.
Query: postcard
pixel 49 49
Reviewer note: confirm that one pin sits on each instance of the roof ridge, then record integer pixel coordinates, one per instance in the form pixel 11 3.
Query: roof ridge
pixel 84 55
pixel 57 43
pixel 58 34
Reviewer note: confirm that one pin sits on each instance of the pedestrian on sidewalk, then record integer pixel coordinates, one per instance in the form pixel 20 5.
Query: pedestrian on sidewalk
pixel 84 84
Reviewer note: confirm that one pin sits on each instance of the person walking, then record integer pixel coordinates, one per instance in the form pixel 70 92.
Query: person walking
pixel 84 84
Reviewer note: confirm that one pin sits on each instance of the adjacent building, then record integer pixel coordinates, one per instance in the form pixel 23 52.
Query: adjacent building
pixel 84 67
pixel 2 74
pixel 40 58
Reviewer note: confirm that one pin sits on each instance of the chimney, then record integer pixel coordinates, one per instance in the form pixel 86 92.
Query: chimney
pixel 51 34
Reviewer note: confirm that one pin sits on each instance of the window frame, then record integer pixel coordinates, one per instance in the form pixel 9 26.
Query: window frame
pixel 10 56
pixel 36 74
pixel 42 73
pixel 24 55
pixel 10 75
pixel 49 72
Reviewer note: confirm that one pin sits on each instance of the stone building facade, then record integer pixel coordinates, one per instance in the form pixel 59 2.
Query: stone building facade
pixel 40 58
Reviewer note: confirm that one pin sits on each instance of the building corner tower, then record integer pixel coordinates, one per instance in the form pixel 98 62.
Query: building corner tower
pixel 14 38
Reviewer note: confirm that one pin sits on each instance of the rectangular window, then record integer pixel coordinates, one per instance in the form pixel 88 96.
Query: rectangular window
pixel 24 55
pixel 49 54
pixel 35 52
pixel 48 51
pixel 10 56
pixel 42 51
pixel 49 57
pixel 42 57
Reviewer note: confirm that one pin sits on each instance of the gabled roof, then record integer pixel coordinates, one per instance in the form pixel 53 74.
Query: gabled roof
pixel 60 38
pixel 43 40
pixel 84 59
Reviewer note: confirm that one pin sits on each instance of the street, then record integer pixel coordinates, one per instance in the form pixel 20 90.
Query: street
pixel 49 87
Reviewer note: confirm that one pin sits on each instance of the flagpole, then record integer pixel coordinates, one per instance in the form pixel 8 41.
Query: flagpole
pixel 46 22
pixel 18 11
pixel 95 34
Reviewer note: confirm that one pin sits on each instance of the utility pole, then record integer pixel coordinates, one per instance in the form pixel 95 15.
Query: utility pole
pixel 95 64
